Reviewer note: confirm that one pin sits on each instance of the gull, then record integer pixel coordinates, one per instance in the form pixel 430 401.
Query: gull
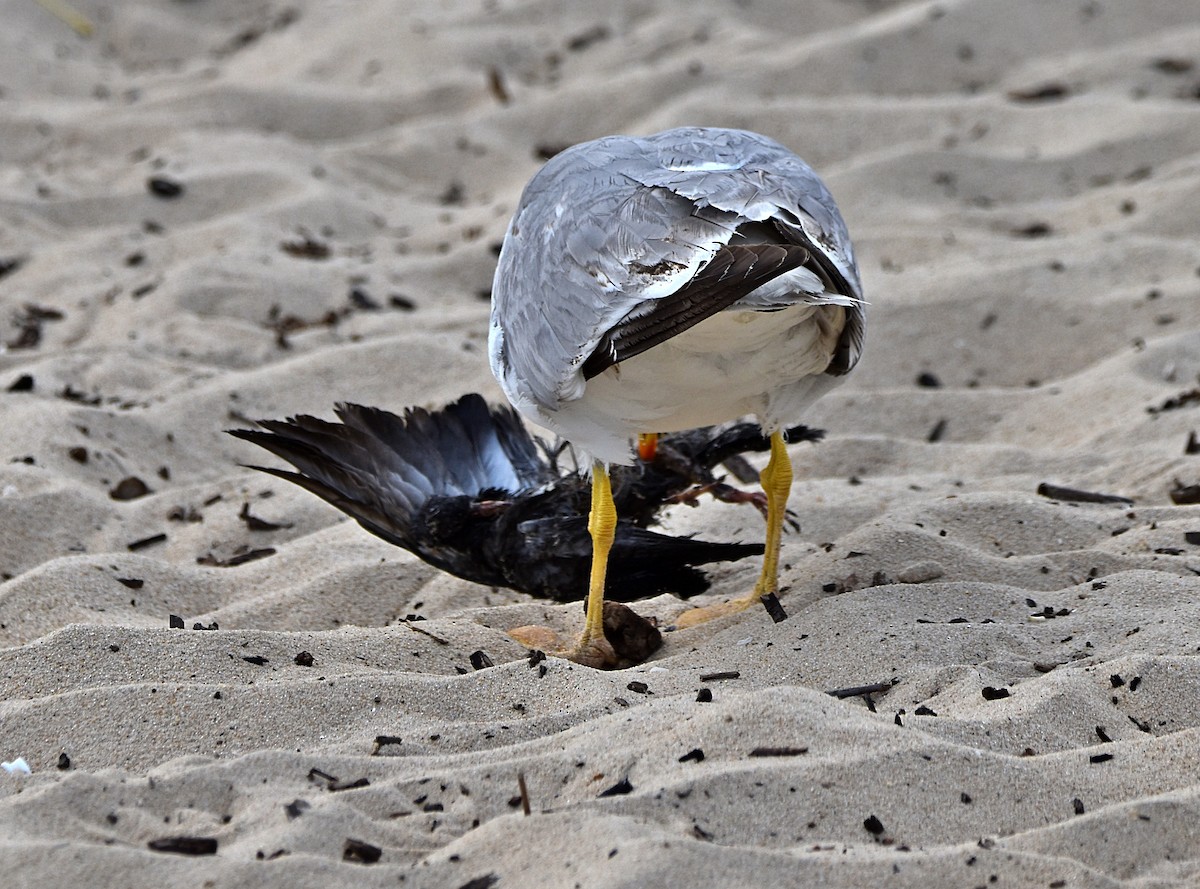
pixel 647 285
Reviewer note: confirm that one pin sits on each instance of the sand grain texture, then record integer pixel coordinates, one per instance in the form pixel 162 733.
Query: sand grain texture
pixel 212 212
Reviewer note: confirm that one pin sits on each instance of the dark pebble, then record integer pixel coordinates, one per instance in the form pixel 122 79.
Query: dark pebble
pixel 621 788
pixel 162 187
pixel 185 845
pixel 296 808
pixel 363 853
pixel 129 488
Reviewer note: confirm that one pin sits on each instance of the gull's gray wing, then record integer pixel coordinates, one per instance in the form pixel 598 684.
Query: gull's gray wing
pixel 621 236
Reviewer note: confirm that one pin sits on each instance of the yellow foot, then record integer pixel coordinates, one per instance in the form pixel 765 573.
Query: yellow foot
pixel 696 616
pixel 628 639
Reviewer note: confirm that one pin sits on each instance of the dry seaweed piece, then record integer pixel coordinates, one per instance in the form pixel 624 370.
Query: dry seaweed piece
pixel 1074 495
pixel 254 523
pixel 130 488
pixel 621 788
pixel 523 789
pixel 1044 92
pixel 487 881
pixel 778 751
pixel 584 39
pixel 995 694
pixel 1185 495
pixel 1032 230
pixel 361 852
pixel 306 247
pixel 360 299
pixel 164 187
pixel 717 677
pixel 296 808
pixel 1175 402
pixel 857 690
pixel 693 755
pixel 70 393
pixel 185 845
pixel 10 264
pixel 240 558
pixel 774 607
pixel 336 786
pixel 1172 65
pixel 382 741
pixel 480 660
pixel 29 321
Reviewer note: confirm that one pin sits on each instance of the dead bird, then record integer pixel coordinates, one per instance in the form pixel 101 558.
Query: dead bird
pixel 469 490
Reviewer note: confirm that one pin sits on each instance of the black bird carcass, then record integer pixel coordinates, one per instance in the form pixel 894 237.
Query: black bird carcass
pixel 470 491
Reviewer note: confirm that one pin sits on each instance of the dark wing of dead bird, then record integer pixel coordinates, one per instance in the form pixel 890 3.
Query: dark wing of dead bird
pixel 383 470
pixel 422 482
pixel 550 557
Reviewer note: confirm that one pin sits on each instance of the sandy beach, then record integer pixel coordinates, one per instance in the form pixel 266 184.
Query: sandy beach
pixel 213 212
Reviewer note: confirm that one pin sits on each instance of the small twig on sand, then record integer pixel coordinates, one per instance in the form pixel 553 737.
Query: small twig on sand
pixel 1073 495
pixel 857 690
pixel 524 792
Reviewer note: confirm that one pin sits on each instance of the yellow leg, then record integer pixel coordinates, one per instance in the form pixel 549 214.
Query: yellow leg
pixel 776 480
pixel 592 648
pixel 602 525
